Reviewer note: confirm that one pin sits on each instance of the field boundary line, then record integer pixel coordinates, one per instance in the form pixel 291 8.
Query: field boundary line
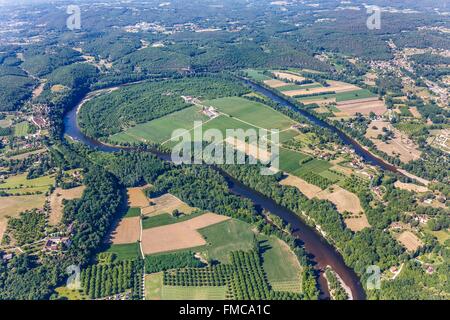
pixel 168 140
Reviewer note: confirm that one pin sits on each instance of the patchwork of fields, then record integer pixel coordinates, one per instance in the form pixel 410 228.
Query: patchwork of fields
pixel 349 98
pixel 234 113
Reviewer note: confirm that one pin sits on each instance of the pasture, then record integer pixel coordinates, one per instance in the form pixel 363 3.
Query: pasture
pixel 6 123
pixel 19 184
pixel 290 160
pixel 225 237
pixel 71 294
pixel 357 223
pixel 281 265
pixel 21 129
pixel 333 87
pixel 273 83
pixel 308 189
pixel 254 113
pixel 193 293
pixel 256 75
pixel 400 145
pixel 127 251
pixel 12 206
pixel 343 199
pixel 133 212
pixel 160 130
pixel 286 75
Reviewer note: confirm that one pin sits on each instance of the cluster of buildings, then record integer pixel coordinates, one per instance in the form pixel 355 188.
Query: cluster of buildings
pixel 57 244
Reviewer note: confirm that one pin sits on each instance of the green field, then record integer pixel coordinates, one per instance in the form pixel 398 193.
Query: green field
pixel 166 218
pixel 155 290
pixel 225 237
pixel 252 112
pixel 193 293
pixel 19 184
pixel 441 235
pixel 298 87
pixel 125 251
pixel 256 75
pixel 133 212
pixel 69 294
pixel 21 129
pixel 353 95
pixel 161 129
pixel 332 176
pixel 318 97
pixel 288 135
pixel 290 160
pixel 281 265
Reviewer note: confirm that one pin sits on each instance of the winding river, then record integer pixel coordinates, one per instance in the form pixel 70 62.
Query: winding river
pixel 321 253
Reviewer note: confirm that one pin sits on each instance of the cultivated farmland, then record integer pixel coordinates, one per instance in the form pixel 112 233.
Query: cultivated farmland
pixel 166 203
pixel 127 231
pixel 178 236
pixel 409 240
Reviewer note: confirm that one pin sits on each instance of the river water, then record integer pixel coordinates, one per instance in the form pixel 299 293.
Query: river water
pixel 321 253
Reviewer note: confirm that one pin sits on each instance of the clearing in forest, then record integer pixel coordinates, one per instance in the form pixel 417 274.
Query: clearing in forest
pixel 288 76
pixel 409 240
pixel 410 187
pixel 56 202
pixel 137 197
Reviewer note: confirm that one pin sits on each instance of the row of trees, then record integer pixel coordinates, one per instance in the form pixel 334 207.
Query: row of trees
pixel 102 280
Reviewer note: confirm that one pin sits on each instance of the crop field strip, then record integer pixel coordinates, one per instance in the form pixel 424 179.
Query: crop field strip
pixel 234 113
